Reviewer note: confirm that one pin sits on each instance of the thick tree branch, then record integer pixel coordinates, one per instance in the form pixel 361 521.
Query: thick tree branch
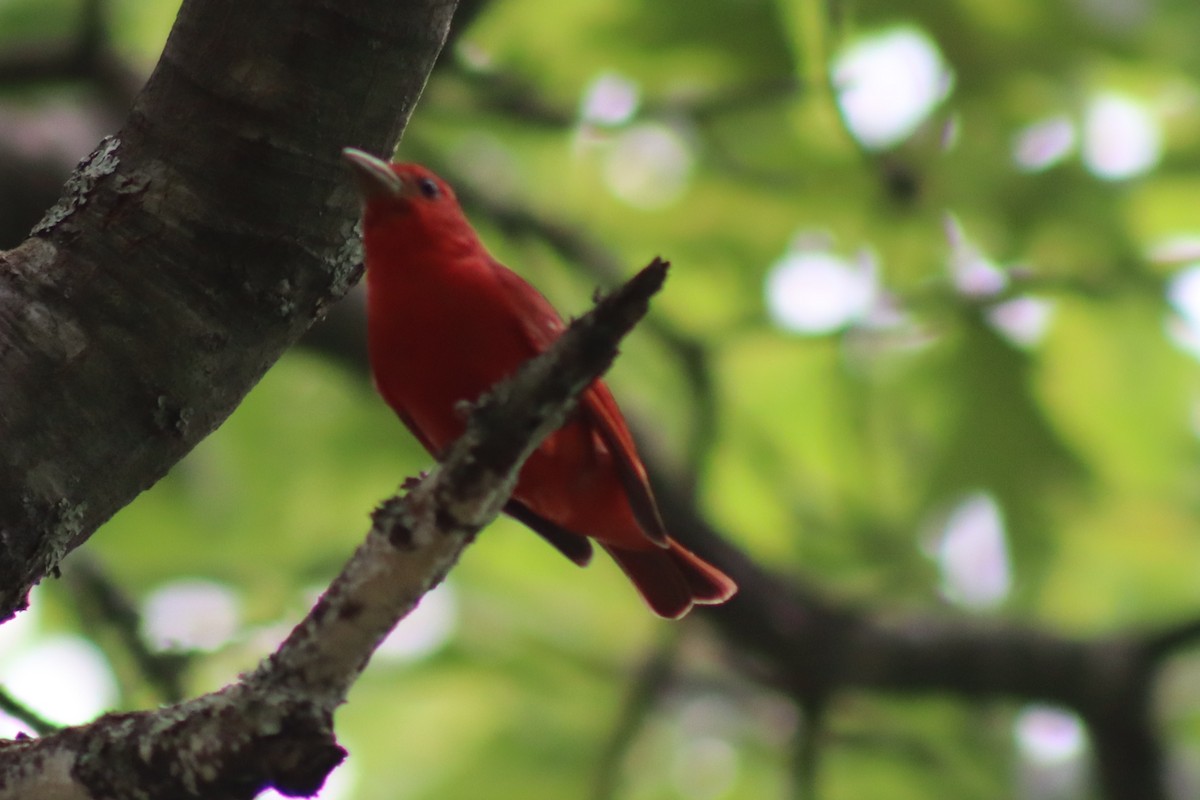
pixel 188 252
pixel 274 727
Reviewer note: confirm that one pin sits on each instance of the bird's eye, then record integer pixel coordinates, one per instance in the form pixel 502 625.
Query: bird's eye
pixel 429 188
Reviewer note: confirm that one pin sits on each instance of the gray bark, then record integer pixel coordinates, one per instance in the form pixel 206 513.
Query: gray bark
pixel 188 252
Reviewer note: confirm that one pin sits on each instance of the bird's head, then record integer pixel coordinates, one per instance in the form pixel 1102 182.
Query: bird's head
pixel 406 199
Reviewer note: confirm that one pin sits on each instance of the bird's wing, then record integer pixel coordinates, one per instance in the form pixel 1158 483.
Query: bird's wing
pixel 575 547
pixel 597 407
pixel 539 320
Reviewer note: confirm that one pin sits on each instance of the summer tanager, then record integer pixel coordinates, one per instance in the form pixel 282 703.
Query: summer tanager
pixel 445 322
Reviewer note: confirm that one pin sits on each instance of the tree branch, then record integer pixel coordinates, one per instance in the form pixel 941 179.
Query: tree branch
pixel 274 728
pixel 653 677
pixel 786 630
pixel 19 711
pixel 814 647
pixel 103 603
pixel 188 252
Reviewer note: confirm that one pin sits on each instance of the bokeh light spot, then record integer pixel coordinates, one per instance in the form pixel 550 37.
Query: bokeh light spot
pixel 972 554
pixel 1022 320
pixel 1177 249
pixel 1044 144
pixel 649 166
pixel 705 768
pixel 63 678
pixel 1048 735
pixel 1183 293
pixel 816 292
pixel 609 100
pixel 192 614
pixel 1120 138
pixel 889 83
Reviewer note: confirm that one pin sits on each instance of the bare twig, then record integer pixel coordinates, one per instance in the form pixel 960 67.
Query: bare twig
pixel 101 599
pixel 19 711
pixel 401 560
pixel 645 690
pixel 274 727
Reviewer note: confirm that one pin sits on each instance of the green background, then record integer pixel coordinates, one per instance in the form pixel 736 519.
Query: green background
pixel 832 455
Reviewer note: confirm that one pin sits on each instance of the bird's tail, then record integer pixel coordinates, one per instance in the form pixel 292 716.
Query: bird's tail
pixel 672 579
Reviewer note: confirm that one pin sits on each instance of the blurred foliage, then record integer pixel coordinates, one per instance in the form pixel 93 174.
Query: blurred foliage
pixel 834 455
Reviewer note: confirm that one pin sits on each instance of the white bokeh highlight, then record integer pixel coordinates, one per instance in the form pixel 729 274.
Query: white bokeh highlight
pixel 705 764
pixel 1179 248
pixel 1024 321
pixel 23 629
pixel 649 166
pixel 191 614
pixel 973 274
pixel 11 727
pixel 817 291
pixel 1121 139
pixel 887 84
pixel 63 678
pixel 609 100
pixel 1048 734
pixel 1044 144
pixel 1183 294
pixel 1052 749
pixel 976 276
pixel 972 554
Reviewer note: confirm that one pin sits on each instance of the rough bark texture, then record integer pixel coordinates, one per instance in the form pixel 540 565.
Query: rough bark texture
pixel 188 252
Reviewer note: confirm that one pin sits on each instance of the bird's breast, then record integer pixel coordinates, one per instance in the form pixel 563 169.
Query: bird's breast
pixel 437 343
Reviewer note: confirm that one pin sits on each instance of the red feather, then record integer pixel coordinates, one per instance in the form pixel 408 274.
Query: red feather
pixel 446 321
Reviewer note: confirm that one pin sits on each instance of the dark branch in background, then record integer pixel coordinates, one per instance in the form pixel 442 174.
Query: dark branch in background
pixel 645 691
pixel 816 647
pixel 515 97
pixel 103 603
pixel 273 728
pixel 520 98
pixel 41 141
pixel 1167 641
pixel 22 713
pixel 86 57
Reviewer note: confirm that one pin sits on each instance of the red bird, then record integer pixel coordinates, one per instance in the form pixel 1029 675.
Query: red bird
pixel 445 322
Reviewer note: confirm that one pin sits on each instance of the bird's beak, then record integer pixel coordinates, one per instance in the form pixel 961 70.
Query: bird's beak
pixel 373 176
